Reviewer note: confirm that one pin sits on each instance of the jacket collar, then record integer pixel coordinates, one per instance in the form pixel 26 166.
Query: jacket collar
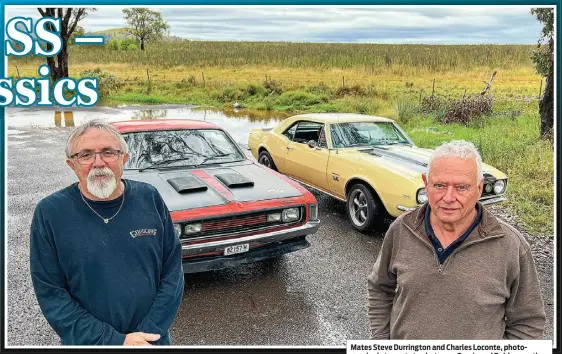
pixel 488 226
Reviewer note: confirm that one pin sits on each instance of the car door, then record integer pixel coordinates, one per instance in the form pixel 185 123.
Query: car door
pixel 304 162
pixel 278 144
pixel 339 167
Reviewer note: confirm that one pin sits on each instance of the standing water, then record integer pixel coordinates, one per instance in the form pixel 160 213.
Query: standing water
pixel 238 123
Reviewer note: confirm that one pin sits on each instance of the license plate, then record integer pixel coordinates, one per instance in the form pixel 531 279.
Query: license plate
pixel 236 249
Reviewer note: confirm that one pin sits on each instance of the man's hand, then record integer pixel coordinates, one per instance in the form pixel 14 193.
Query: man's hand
pixel 140 338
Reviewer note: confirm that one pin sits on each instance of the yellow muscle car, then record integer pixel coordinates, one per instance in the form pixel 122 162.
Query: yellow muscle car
pixel 367 161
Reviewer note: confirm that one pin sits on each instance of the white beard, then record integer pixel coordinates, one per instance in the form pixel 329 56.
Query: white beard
pixel 99 187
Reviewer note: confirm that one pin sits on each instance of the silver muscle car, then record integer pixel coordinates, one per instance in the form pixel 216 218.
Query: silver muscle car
pixel 227 210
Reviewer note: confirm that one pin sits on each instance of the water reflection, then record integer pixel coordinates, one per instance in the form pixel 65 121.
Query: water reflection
pixel 150 114
pixel 68 118
pixel 237 123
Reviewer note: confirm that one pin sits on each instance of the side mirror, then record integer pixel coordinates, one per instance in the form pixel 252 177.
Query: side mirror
pixel 311 144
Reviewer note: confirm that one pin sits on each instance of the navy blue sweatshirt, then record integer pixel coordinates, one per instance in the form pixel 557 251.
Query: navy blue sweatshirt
pixel 96 282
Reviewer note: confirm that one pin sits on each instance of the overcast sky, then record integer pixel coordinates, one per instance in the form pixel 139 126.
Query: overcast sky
pixel 364 24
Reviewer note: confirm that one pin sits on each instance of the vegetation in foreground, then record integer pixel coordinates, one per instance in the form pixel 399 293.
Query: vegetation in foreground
pixel 396 81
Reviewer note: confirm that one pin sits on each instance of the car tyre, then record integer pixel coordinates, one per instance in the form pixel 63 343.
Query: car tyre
pixel 363 208
pixel 265 159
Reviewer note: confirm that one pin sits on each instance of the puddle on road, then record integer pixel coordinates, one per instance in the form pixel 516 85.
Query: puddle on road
pixel 238 123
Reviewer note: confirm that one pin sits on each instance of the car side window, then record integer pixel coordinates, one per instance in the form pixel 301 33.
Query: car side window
pixel 307 131
pixel 290 132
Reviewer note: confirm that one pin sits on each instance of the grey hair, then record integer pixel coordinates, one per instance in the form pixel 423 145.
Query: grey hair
pixel 96 124
pixel 461 149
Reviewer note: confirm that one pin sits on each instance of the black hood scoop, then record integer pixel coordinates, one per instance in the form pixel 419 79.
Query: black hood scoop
pixel 187 184
pixel 234 180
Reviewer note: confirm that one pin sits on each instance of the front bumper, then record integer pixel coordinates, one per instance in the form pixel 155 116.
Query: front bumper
pixel 493 200
pixel 262 246
pixel 490 200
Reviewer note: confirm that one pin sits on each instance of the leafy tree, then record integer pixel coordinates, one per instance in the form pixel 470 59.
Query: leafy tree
pixel 128 42
pixel 133 47
pixel 113 44
pixel 146 25
pixel 543 58
pixel 69 23
pixel 79 31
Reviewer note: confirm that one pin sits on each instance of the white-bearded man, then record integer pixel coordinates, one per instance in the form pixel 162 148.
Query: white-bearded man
pixel 96 283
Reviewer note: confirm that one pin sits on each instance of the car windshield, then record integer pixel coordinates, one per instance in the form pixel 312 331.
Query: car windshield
pixel 180 148
pixel 366 134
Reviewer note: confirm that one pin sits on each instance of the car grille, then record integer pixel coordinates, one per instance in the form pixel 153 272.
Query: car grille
pixel 240 222
pixel 237 224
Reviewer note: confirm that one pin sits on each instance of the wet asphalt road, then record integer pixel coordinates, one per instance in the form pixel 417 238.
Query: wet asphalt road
pixel 315 296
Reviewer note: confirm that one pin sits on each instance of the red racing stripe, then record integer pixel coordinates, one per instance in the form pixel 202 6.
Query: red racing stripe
pixel 214 183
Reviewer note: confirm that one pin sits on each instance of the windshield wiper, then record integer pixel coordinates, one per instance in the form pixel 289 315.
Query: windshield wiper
pixel 207 158
pixel 158 164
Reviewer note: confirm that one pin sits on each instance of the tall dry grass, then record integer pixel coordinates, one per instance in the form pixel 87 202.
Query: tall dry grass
pixel 367 57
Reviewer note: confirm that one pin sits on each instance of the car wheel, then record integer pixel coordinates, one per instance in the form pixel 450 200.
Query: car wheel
pixel 265 159
pixel 363 208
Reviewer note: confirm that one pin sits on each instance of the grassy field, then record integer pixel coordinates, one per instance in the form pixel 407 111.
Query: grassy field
pixel 367 57
pixel 387 80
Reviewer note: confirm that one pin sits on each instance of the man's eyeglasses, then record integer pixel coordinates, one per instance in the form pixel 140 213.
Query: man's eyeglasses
pixel 88 157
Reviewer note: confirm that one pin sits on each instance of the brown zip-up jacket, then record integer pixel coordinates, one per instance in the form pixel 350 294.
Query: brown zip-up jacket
pixel 487 288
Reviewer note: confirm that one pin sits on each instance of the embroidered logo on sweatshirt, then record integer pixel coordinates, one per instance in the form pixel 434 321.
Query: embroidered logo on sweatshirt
pixel 143 232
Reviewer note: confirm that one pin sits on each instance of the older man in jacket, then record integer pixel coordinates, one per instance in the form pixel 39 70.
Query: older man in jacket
pixel 452 270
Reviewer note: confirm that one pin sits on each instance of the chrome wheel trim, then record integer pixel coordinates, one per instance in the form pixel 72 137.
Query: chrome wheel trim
pixel 358 207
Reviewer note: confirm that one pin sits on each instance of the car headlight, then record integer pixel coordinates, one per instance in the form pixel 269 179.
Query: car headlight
pixel 313 212
pixel 275 217
pixel 488 187
pixel 291 214
pixel 499 186
pixel 177 230
pixel 192 228
pixel 421 196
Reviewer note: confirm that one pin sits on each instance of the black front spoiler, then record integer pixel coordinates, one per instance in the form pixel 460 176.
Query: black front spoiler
pixel 271 250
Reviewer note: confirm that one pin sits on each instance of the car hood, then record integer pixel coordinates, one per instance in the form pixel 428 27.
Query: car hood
pixel 408 159
pixel 184 189
pixel 411 159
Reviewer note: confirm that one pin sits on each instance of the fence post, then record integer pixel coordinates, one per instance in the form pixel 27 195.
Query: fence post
pixel 147 74
pixel 433 89
pixel 343 81
pixel 18 70
pixel 203 76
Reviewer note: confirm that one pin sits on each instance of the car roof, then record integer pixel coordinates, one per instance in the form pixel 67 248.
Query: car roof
pixel 161 124
pixel 342 117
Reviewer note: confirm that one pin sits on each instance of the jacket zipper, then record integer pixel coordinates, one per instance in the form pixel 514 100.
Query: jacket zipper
pixel 466 245
pixel 440 266
pixel 426 242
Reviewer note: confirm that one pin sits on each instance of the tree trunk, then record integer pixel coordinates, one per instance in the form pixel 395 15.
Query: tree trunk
pixel 142 43
pixel 63 59
pixel 546 108
pixel 546 104
pixel 59 66
pixel 53 67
